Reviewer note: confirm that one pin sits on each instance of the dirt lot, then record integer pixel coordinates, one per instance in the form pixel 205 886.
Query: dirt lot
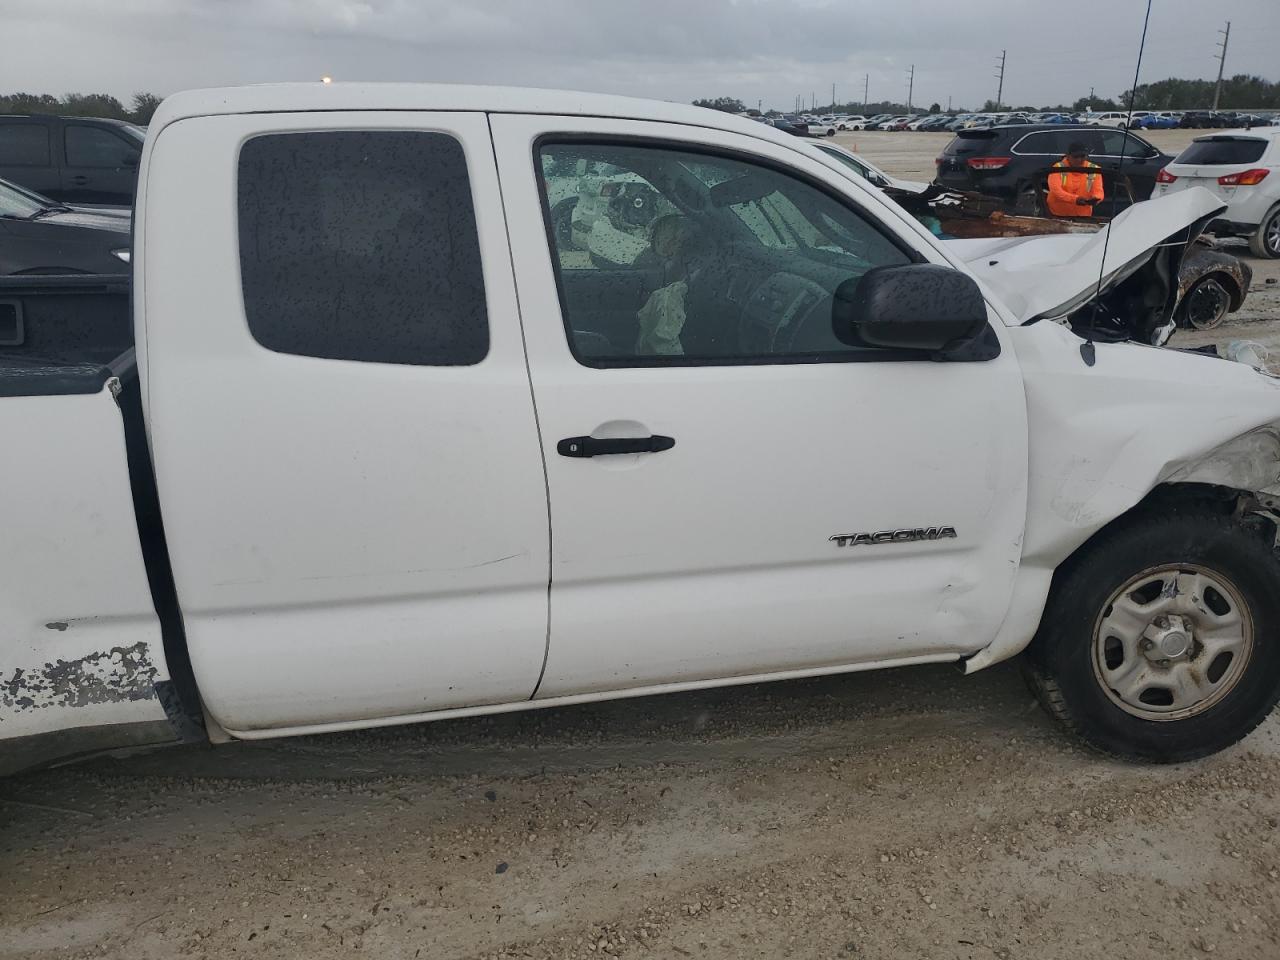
pixel 910 814
pixel 913 814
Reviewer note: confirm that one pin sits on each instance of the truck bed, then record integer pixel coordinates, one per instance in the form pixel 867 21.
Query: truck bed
pixel 87 600
pixel 63 334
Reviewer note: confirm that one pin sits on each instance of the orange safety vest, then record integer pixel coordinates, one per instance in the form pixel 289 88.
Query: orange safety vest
pixel 1066 186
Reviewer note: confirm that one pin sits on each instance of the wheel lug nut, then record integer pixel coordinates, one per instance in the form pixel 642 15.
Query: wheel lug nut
pixel 1147 644
pixel 1164 663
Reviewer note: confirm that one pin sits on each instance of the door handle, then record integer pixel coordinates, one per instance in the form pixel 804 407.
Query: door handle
pixel 595 447
pixel 79 178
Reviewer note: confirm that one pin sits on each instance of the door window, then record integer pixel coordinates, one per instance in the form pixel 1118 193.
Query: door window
pixel 1045 143
pixel 362 245
pixel 24 145
pixel 95 147
pixel 681 257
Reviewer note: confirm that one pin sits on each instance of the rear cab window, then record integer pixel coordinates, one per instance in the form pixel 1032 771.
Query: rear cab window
pixel 361 245
pixel 1223 151
pixel 24 145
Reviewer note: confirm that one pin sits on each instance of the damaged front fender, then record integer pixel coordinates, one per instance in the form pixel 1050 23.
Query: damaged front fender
pixel 1249 463
pixel 1104 437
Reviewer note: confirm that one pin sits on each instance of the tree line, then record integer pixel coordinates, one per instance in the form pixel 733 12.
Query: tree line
pixel 1241 92
pixel 141 105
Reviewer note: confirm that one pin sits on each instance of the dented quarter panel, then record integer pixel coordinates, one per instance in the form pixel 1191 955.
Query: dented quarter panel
pixel 80 642
pixel 1102 437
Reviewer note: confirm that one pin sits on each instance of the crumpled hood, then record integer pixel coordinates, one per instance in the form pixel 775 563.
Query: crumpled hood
pixel 1050 277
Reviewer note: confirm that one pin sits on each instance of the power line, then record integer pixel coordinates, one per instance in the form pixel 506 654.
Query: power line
pixel 1222 62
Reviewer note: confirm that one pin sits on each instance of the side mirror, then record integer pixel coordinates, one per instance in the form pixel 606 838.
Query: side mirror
pixel 918 306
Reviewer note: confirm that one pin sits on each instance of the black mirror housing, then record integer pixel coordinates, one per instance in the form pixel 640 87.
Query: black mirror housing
pixel 919 306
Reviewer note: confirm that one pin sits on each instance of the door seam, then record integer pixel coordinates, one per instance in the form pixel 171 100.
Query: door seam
pixel 533 399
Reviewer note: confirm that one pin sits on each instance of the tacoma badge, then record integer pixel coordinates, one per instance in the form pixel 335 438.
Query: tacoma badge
pixel 894 536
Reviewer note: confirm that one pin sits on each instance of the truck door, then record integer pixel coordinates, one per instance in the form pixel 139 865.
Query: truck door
pixel 340 416
pixel 98 165
pixel 734 492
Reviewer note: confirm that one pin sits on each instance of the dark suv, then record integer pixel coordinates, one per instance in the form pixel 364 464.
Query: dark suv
pixel 75 160
pixel 1013 163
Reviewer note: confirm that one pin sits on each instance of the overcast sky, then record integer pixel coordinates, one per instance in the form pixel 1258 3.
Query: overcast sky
pixel 770 50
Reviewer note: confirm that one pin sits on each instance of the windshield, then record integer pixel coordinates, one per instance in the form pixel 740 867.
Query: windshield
pixel 1222 151
pixel 19 203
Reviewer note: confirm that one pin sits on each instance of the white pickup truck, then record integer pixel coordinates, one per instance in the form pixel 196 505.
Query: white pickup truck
pixel 394 448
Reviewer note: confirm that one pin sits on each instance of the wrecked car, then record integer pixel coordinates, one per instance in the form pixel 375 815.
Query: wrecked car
pixel 1211 283
pixel 370 446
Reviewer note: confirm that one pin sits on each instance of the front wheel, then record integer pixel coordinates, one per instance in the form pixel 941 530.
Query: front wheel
pixel 1265 241
pixel 1161 640
pixel 1206 304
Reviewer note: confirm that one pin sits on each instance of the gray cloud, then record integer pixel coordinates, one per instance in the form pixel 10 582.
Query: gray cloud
pixel 770 50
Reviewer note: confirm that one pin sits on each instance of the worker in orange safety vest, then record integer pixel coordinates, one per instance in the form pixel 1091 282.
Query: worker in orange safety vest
pixel 1075 184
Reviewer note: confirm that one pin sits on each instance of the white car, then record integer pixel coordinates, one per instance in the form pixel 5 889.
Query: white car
pixel 856 122
pixel 1242 168
pixel 375 448
pixel 821 128
pixel 1111 118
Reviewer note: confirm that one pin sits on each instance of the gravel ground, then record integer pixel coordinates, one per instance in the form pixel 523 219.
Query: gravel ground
pixel 914 813
pixel 908 814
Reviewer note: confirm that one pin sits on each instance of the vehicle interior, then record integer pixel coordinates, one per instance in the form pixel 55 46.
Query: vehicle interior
pixel 735 261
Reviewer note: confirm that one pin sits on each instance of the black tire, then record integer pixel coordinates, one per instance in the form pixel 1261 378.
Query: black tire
pixel 1060 661
pixel 1265 241
pixel 1206 304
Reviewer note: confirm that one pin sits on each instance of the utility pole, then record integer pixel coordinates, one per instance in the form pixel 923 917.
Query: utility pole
pixel 866 88
pixel 1000 77
pixel 911 85
pixel 1222 62
pixel 833 98
pixel 948 103
pixel 813 101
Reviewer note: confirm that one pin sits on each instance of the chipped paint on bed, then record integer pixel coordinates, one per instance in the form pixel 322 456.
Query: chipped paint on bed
pixel 111 676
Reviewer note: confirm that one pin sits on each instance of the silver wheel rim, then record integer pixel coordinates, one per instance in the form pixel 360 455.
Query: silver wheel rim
pixel 1273 234
pixel 1172 642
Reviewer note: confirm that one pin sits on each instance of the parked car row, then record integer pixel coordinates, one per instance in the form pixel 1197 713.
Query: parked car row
pixel 1140 119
